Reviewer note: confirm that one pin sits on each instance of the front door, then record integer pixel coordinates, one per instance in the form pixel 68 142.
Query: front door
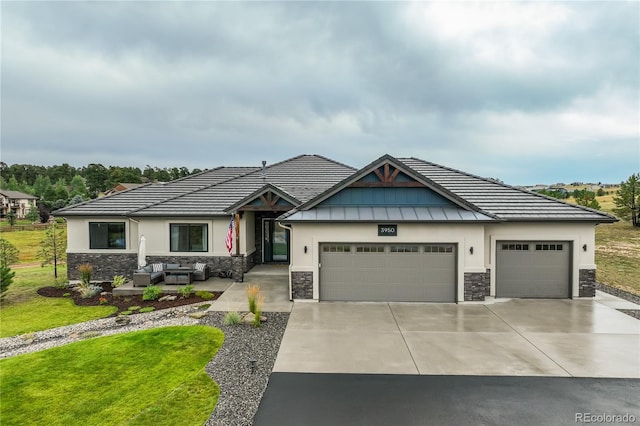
pixel 275 242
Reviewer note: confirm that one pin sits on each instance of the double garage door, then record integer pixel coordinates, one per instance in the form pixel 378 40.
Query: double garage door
pixel 533 269
pixel 388 272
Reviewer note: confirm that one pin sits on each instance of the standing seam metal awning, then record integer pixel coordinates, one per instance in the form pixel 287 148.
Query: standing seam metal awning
pixel 383 214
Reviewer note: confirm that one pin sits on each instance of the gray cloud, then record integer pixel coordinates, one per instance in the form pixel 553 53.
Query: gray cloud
pixel 208 83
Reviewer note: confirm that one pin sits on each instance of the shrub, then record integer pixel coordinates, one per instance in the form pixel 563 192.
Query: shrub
pixel 232 318
pixel 203 307
pixel 66 295
pixel 147 309
pixel 204 295
pixel 126 313
pixel 258 313
pixel 9 254
pixel 61 283
pixel 185 291
pixel 87 291
pixel 133 308
pixel 85 273
pixel 253 291
pixel 103 301
pixel 119 280
pixel 152 292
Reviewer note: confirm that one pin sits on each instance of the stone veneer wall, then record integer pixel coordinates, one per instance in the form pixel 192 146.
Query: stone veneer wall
pixel 587 283
pixel 302 285
pixel 105 265
pixel 618 292
pixel 476 285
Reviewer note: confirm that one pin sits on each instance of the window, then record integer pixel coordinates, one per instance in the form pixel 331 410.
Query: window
pixel 107 235
pixel 189 237
pixel 549 247
pixel 336 248
pixel 515 247
pixel 370 249
pixel 404 249
pixel 438 248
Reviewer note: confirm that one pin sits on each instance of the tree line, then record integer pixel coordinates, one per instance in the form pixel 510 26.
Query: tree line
pixel 61 185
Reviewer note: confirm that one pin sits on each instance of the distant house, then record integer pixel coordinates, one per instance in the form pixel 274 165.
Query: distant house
pixel 399 229
pixel 121 187
pixel 18 202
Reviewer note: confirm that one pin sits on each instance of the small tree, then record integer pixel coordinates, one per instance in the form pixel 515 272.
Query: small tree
pixel 627 200
pixel 586 198
pixel 53 247
pixel 11 217
pixel 33 215
pixel 6 278
pixel 8 256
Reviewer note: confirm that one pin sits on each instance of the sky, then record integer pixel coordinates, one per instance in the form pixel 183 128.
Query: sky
pixel 525 92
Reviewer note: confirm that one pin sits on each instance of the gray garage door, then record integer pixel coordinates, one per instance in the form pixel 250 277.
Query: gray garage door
pixel 388 272
pixel 533 269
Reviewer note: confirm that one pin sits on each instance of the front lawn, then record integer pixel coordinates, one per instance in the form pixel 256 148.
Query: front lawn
pixel 24 311
pixel 149 377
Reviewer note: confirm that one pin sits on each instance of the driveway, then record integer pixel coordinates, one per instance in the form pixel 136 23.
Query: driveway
pixel 563 338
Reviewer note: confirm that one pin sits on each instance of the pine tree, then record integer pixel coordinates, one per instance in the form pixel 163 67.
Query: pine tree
pixel 627 200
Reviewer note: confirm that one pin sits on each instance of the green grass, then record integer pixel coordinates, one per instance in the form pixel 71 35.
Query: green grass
pixel 27 242
pixel 24 311
pixel 148 377
pixel 618 255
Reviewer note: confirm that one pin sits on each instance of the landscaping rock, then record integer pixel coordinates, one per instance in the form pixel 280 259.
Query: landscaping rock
pixel 197 315
pixel 250 317
pixel 168 298
pixel 122 320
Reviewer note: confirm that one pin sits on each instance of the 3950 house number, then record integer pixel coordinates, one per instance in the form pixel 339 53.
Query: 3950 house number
pixel 387 230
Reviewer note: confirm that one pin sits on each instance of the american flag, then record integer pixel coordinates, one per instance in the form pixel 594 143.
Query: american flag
pixel 229 240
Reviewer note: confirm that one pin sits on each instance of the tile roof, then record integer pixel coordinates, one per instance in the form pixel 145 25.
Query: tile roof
pixel 503 201
pixel 17 195
pixel 211 192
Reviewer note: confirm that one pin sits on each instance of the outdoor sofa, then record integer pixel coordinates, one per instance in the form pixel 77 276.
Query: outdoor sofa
pixel 155 273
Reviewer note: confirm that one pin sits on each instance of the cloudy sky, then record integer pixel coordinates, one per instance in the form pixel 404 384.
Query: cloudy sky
pixel 527 92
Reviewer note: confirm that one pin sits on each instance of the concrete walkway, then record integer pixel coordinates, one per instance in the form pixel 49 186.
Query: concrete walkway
pixel 519 337
pixel 274 286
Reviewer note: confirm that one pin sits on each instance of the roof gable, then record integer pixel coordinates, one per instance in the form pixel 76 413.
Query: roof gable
pixel 267 198
pixel 388 173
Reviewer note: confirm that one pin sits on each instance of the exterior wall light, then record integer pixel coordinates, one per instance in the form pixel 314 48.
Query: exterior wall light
pixel 584 247
pixel 470 250
pixel 305 249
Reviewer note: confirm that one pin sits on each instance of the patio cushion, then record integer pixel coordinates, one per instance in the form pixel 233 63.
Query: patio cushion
pixel 173 265
pixel 199 266
pixel 147 268
pixel 157 267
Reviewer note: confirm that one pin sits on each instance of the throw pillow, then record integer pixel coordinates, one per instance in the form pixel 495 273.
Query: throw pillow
pixel 157 267
pixel 200 266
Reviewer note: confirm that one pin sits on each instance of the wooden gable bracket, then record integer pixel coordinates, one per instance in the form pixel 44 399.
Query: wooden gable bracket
pixel 387 178
pixel 269 203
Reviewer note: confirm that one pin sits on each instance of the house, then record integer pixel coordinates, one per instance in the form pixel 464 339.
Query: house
pixel 17 202
pixel 399 229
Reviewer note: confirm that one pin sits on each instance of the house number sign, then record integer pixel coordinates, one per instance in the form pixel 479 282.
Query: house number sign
pixel 387 230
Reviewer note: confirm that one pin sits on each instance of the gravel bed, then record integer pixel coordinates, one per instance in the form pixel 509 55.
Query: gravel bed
pixel 241 389
pixel 631 312
pixel 40 340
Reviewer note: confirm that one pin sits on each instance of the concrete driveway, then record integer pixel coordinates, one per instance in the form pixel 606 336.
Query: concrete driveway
pixel 581 338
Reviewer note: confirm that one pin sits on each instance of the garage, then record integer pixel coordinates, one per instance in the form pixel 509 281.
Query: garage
pixel 388 272
pixel 535 269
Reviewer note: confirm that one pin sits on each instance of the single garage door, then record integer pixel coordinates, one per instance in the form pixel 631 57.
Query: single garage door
pixel 388 272
pixel 533 269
